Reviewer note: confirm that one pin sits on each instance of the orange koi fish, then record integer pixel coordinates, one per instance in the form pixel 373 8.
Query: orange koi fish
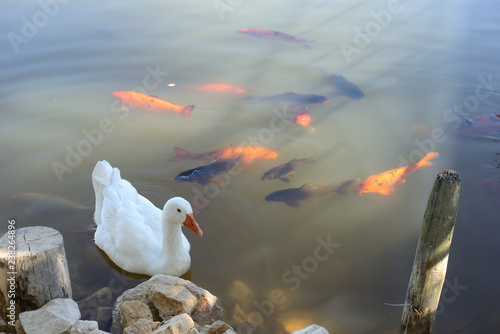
pixel 382 183
pixel 248 153
pixel 303 118
pixel 212 88
pixel 132 99
pixel 272 35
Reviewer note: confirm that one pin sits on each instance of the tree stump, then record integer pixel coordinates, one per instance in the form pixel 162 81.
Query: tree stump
pixel 431 258
pixel 33 270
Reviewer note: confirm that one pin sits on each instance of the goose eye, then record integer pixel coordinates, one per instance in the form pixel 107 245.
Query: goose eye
pixel 178 210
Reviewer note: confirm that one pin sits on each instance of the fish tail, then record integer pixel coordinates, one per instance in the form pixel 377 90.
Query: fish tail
pixel 181 154
pixel 425 161
pixel 304 42
pixel 310 128
pixel 344 187
pixel 186 111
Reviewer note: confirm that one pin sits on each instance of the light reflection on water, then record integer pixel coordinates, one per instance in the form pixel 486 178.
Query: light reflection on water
pixel 427 58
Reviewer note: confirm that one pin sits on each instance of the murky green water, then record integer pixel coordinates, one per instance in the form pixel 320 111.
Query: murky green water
pixel 414 64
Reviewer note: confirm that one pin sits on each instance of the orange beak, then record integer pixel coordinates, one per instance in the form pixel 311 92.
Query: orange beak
pixel 191 224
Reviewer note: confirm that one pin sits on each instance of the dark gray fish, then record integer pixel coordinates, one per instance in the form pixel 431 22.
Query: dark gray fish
pixel 343 87
pixel 308 193
pixel 208 173
pixel 291 98
pixel 285 171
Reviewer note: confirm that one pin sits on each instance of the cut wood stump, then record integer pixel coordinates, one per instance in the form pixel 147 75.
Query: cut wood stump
pixel 33 272
pixel 431 258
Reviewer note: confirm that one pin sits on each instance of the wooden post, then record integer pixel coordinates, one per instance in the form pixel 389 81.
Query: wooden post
pixel 33 272
pixel 431 258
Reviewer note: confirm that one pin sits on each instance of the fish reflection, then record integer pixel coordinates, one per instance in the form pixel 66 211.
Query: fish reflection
pixel 208 173
pixel 383 183
pixel 274 35
pixel 47 204
pixel 249 153
pixel 309 193
pixel 292 99
pixel 342 87
pixel 151 103
pixel 286 171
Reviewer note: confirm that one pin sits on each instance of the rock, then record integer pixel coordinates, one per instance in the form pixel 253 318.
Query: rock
pixel 172 300
pixel 242 293
pixel 206 310
pixel 313 329
pixel 220 327
pixel 56 316
pixel 180 324
pixel 85 327
pixel 141 326
pixel 133 310
pixel 104 316
pixel 88 306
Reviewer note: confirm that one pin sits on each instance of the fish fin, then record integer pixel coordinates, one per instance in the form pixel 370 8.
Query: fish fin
pixel 203 182
pixel 311 201
pixel 293 204
pixel 186 111
pixel 180 154
pixel 285 179
pixel 386 191
pixel 306 185
pixel 154 96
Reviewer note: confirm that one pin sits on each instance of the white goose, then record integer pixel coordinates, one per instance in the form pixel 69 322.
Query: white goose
pixel 135 234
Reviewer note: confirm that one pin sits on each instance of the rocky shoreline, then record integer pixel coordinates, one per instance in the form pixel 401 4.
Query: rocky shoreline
pixel 161 305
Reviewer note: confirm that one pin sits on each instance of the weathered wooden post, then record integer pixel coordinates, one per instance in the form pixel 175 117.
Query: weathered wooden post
pixel 431 259
pixel 33 270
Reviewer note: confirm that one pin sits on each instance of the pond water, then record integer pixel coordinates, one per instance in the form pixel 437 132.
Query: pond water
pixel 422 62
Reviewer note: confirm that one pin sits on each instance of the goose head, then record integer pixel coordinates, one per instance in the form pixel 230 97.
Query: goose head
pixel 178 211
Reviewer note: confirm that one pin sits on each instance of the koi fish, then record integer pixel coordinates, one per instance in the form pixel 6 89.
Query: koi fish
pixel 208 173
pixel 303 118
pixel 286 171
pixel 229 152
pixel 342 87
pixel 383 183
pixel 213 88
pixel 482 126
pixel 308 193
pixel 47 204
pixel 132 99
pixel 274 35
pixel 293 99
